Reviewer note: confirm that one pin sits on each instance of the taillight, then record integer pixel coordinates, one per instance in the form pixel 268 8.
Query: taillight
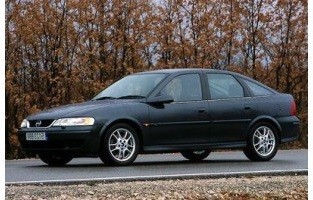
pixel 293 109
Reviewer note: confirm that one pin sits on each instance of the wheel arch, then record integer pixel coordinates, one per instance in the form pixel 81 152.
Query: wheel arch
pixel 267 119
pixel 132 122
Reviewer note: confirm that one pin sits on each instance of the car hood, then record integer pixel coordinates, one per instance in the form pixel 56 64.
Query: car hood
pixel 74 110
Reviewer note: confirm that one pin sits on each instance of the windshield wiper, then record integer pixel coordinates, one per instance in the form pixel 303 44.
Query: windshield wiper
pixel 103 98
pixel 131 97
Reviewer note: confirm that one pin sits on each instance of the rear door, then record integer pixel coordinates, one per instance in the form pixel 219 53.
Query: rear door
pixel 230 107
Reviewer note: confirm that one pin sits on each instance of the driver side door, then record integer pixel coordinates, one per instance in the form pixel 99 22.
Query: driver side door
pixel 185 120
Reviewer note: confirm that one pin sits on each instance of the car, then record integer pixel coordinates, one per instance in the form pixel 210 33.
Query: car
pixel 191 111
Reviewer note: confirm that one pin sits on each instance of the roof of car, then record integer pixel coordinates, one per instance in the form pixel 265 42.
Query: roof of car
pixel 180 70
pixel 192 70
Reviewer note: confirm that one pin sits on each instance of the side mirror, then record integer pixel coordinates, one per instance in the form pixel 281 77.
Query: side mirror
pixel 161 99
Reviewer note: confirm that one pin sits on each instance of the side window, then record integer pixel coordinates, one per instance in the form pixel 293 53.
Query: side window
pixel 223 86
pixel 256 89
pixel 185 87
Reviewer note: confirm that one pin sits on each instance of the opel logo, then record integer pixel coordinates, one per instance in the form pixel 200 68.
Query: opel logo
pixel 38 123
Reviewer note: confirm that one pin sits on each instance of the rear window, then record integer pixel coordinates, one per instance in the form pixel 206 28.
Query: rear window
pixel 224 86
pixel 257 89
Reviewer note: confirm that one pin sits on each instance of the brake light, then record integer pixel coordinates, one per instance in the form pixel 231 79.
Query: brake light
pixel 293 109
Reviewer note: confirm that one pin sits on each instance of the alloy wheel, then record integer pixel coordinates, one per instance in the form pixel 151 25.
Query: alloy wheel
pixel 122 144
pixel 264 141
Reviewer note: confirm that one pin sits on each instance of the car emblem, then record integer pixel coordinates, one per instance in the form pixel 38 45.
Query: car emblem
pixel 38 123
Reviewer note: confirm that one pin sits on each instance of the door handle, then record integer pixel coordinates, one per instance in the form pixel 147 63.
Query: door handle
pixel 248 108
pixel 201 110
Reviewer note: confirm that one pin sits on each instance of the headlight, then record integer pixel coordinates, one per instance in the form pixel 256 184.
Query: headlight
pixel 25 124
pixel 77 121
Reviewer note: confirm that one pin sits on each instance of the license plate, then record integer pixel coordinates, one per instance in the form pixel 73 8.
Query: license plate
pixel 36 136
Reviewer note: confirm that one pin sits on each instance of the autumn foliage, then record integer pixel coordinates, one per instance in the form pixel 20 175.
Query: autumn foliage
pixel 66 51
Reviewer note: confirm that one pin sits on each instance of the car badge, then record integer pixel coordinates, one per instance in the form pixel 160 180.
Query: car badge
pixel 38 123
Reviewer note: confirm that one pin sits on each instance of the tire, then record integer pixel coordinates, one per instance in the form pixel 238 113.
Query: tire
pixel 262 142
pixel 120 145
pixel 196 156
pixel 54 159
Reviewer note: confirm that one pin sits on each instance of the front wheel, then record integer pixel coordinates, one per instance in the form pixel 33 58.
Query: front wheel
pixel 120 146
pixel 196 156
pixel 55 159
pixel 262 142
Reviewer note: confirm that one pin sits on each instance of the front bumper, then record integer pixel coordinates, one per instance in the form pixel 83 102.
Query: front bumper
pixel 290 128
pixel 76 141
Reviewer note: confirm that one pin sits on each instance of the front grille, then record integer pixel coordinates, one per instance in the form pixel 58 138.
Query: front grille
pixel 40 123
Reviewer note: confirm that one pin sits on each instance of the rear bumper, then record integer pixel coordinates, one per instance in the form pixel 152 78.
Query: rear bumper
pixel 290 128
pixel 75 141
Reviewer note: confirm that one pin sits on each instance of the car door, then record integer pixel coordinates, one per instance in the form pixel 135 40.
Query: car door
pixel 185 120
pixel 230 108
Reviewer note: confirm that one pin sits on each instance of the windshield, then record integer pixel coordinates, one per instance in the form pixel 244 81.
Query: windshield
pixel 132 86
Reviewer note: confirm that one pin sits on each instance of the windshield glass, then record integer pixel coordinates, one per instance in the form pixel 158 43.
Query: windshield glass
pixel 132 86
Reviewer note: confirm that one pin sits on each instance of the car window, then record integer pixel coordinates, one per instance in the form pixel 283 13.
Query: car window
pixel 185 87
pixel 132 85
pixel 256 89
pixel 223 86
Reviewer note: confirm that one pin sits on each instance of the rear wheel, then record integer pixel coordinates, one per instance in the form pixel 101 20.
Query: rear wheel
pixel 55 159
pixel 262 142
pixel 120 146
pixel 196 156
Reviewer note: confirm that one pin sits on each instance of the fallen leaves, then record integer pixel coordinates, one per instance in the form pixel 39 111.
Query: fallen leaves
pixel 274 187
